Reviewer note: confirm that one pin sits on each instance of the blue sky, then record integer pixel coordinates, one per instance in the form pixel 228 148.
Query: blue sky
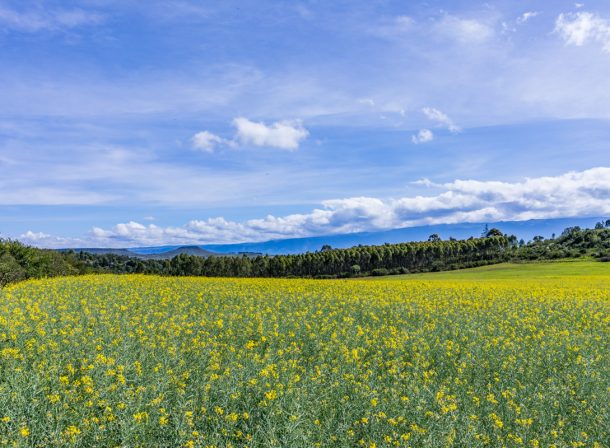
pixel 125 123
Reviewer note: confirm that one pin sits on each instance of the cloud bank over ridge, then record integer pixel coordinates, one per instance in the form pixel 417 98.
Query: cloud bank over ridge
pixel 583 193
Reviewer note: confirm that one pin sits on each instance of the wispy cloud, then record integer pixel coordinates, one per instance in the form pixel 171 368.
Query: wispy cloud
pixel 583 193
pixel 441 118
pixel 511 26
pixel 465 30
pixel 206 141
pixel 46 19
pixel 526 16
pixel 393 27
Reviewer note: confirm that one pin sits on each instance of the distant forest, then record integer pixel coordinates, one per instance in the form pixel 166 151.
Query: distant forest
pixel 19 262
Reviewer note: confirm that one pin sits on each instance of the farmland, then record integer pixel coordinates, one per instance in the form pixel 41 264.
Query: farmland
pixel 539 271
pixel 106 360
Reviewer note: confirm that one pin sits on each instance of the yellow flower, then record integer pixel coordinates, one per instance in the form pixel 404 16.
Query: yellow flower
pixel 71 431
pixel 271 395
pixel 140 416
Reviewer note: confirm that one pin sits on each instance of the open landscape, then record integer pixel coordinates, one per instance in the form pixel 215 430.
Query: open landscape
pixel 304 224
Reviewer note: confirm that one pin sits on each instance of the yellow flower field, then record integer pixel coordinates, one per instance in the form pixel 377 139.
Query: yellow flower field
pixel 152 362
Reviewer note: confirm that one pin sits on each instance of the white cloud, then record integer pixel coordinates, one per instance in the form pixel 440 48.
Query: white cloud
pixel 45 19
pixel 281 134
pixel 423 136
pixel 582 27
pixel 441 118
pixel 526 16
pixel 511 26
pixel 425 182
pixel 98 232
pixel 206 141
pixel 34 236
pixel 584 193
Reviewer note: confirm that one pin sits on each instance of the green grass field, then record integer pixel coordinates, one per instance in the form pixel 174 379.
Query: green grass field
pixel 531 271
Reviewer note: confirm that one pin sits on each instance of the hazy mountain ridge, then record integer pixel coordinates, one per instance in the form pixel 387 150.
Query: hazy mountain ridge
pixel 522 229
pixel 152 253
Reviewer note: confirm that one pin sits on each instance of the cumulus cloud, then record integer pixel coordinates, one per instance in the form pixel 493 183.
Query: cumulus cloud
pixel 45 19
pixel 34 236
pixel 423 136
pixel 441 118
pixel 584 193
pixel 583 27
pixel 281 134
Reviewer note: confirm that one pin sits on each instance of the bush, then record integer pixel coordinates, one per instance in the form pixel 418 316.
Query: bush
pixel 10 270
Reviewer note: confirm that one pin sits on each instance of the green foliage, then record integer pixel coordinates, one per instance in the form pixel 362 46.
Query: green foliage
pixel 10 270
pixel 19 262
pixel 493 232
pixel 387 259
pixel 573 242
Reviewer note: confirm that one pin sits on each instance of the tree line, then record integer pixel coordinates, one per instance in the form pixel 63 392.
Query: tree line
pixel 19 262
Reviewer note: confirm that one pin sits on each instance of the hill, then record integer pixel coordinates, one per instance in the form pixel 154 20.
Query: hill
pixel 525 230
pixel 150 253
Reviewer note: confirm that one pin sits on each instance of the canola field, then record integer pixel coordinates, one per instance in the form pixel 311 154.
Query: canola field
pixel 127 361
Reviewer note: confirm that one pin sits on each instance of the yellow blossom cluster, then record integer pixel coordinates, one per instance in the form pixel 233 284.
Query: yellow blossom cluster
pixel 151 361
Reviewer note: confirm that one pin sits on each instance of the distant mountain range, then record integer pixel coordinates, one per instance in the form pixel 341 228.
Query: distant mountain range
pixel 522 229
pixel 153 253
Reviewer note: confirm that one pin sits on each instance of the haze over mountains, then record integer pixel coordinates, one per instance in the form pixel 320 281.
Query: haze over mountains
pixel 522 229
